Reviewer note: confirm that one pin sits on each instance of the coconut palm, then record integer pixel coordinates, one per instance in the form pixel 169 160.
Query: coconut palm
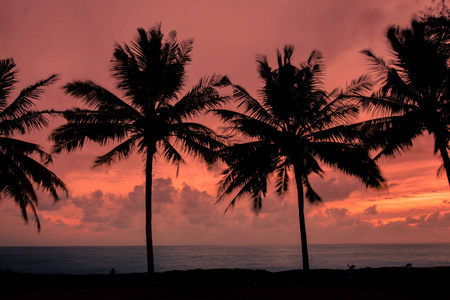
pixel 152 118
pixel 414 97
pixel 19 169
pixel 293 129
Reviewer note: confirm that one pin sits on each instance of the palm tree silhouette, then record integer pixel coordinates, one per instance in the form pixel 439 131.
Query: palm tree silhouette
pixel 415 93
pixel 151 118
pixel 295 126
pixel 18 169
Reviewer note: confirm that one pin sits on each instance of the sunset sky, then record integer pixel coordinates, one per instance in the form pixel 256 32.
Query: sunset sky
pixel 106 205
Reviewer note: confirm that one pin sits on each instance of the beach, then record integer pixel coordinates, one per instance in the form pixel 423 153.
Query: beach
pixel 367 283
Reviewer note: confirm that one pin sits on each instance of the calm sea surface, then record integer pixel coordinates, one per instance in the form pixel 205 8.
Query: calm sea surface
pixel 100 260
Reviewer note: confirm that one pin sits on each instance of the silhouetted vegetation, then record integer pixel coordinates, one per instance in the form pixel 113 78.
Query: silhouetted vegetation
pixel 367 283
pixel 296 126
pixel 152 118
pixel 414 97
pixel 18 169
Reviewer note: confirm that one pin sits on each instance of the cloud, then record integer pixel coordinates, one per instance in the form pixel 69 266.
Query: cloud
pixel 334 225
pixel 47 203
pixel 91 206
pixel 131 209
pixel 198 207
pixel 163 190
pixel 371 210
pixel 337 213
pixel 103 212
pixel 335 188
pixel 164 193
pixel 435 220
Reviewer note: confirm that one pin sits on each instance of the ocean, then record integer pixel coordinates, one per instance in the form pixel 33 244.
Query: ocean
pixel 131 259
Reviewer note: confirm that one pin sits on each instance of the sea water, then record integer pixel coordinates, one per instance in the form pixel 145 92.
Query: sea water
pixel 131 259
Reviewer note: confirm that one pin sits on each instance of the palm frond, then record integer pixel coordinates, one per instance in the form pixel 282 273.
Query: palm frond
pixel 198 140
pixel 130 77
pixel 377 65
pixel 86 116
pixel 15 184
pixel 247 174
pixel 11 145
pixel 251 105
pixel 336 113
pixel 341 133
pixel 389 135
pixel 282 179
pixel 25 98
pixel 246 125
pixel 27 122
pixel 72 136
pixel 176 56
pixel 352 160
pixel 7 79
pixel 122 151
pixel 202 97
pixel 316 65
pixel 98 97
pixel 171 154
pixel 40 175
pixel 380 104
pixel 19 171
pixel 311 195
pixel 358 87
pixel 264 70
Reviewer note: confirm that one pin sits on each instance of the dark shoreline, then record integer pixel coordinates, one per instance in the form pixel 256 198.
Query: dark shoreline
pixel 368 283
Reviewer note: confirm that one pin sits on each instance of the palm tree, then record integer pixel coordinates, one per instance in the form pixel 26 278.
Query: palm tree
pixel 152 118
pixel 414 97
pixel 296 126
pixel 18 169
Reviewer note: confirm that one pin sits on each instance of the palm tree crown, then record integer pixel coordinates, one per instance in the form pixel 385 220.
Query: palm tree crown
pixel 18 169
pixel 296 126
pixel 152 118
pixel 415 92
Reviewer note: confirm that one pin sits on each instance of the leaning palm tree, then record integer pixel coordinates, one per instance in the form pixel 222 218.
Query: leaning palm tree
pixel 18 169
pixel 294 128
pixel 414 97
pixel 151 118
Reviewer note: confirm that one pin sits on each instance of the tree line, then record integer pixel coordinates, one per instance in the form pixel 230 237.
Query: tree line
pixel 294 129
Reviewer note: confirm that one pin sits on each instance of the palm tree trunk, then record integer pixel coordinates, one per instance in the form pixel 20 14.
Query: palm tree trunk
pixel 301 218
pixel 148 212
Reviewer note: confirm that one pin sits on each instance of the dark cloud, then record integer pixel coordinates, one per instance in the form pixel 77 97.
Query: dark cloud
pixel 371 210
pixel 198 206
pixel 435 220
pixel 103 212
pixel 348 227
pixel 342 217
pixel 92 207
pixel 164 194
pixel 337 213
pixel 163 190
pixel 336 188
pixel 47 203
pixel 130 209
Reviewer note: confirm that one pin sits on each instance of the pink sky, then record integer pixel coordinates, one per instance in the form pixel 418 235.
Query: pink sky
pixel 105 205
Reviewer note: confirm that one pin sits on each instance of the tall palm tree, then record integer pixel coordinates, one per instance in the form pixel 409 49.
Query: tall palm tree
pixel 292 129
pixel 152 118
pixel 18 169
pixel 414 97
